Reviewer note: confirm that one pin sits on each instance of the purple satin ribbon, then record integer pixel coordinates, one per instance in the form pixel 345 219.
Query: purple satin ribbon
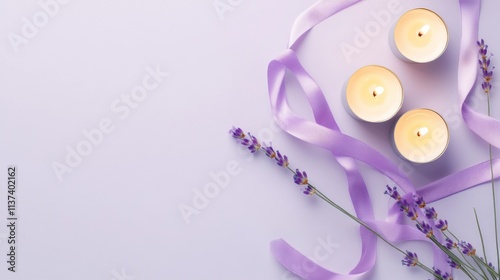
pixel 324 132
pixel 484 126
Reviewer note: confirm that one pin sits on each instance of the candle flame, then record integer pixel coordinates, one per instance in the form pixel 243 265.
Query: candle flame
pixel 378 91
pixel 422 131
pixel 423 30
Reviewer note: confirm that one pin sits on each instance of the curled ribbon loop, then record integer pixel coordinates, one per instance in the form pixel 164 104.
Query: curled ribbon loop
pixel 324 132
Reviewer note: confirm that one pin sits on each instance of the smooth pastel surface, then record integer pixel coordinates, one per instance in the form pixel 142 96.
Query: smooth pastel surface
pixel 118 211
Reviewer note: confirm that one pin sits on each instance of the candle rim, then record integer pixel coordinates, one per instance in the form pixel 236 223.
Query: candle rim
pixel 400 85
pixel 445 27
pixel 447 138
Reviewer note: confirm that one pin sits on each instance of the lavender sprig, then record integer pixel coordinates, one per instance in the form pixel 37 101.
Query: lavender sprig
pixel 484 66
pixel 300 178
pixel 465 250
pixel 408 207
pixel 487 75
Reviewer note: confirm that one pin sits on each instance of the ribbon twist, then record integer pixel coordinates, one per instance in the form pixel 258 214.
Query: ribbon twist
pixel 324 132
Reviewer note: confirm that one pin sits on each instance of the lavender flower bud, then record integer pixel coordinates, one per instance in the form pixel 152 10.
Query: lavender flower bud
pixel 430 213
pixel 269 151
pixel 467 248
pixel 392 192
pixel 411 259
pixel 442 225
pixel 426 229
pixel 419 201
pixel 252 143
pixel 450 244
pixel 237 133
pixel 281 160
pixel 300 178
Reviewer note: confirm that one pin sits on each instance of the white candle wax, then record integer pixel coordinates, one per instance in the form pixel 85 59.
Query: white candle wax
pixel 421 135
pixel 373 94
pixel 420 35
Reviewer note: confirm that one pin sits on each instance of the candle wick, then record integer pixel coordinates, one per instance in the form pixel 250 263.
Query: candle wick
pixel 423 30
pixel 378 91
pixel 423 131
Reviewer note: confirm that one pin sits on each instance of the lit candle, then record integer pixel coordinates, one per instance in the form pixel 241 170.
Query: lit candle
pixel 421 135
pixel 419 35
pixel 373 94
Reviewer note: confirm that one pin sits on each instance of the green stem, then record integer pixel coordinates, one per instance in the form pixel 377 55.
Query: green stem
pixel 466 266
pixel 480 235
pixel 426 268
pixel 491 270
pixel 485 262
pixel 482 244
pixel 480 267
pixel 493 191
pixel 494 274
pixel 461 254
pixel 356 219
pixel 329 201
